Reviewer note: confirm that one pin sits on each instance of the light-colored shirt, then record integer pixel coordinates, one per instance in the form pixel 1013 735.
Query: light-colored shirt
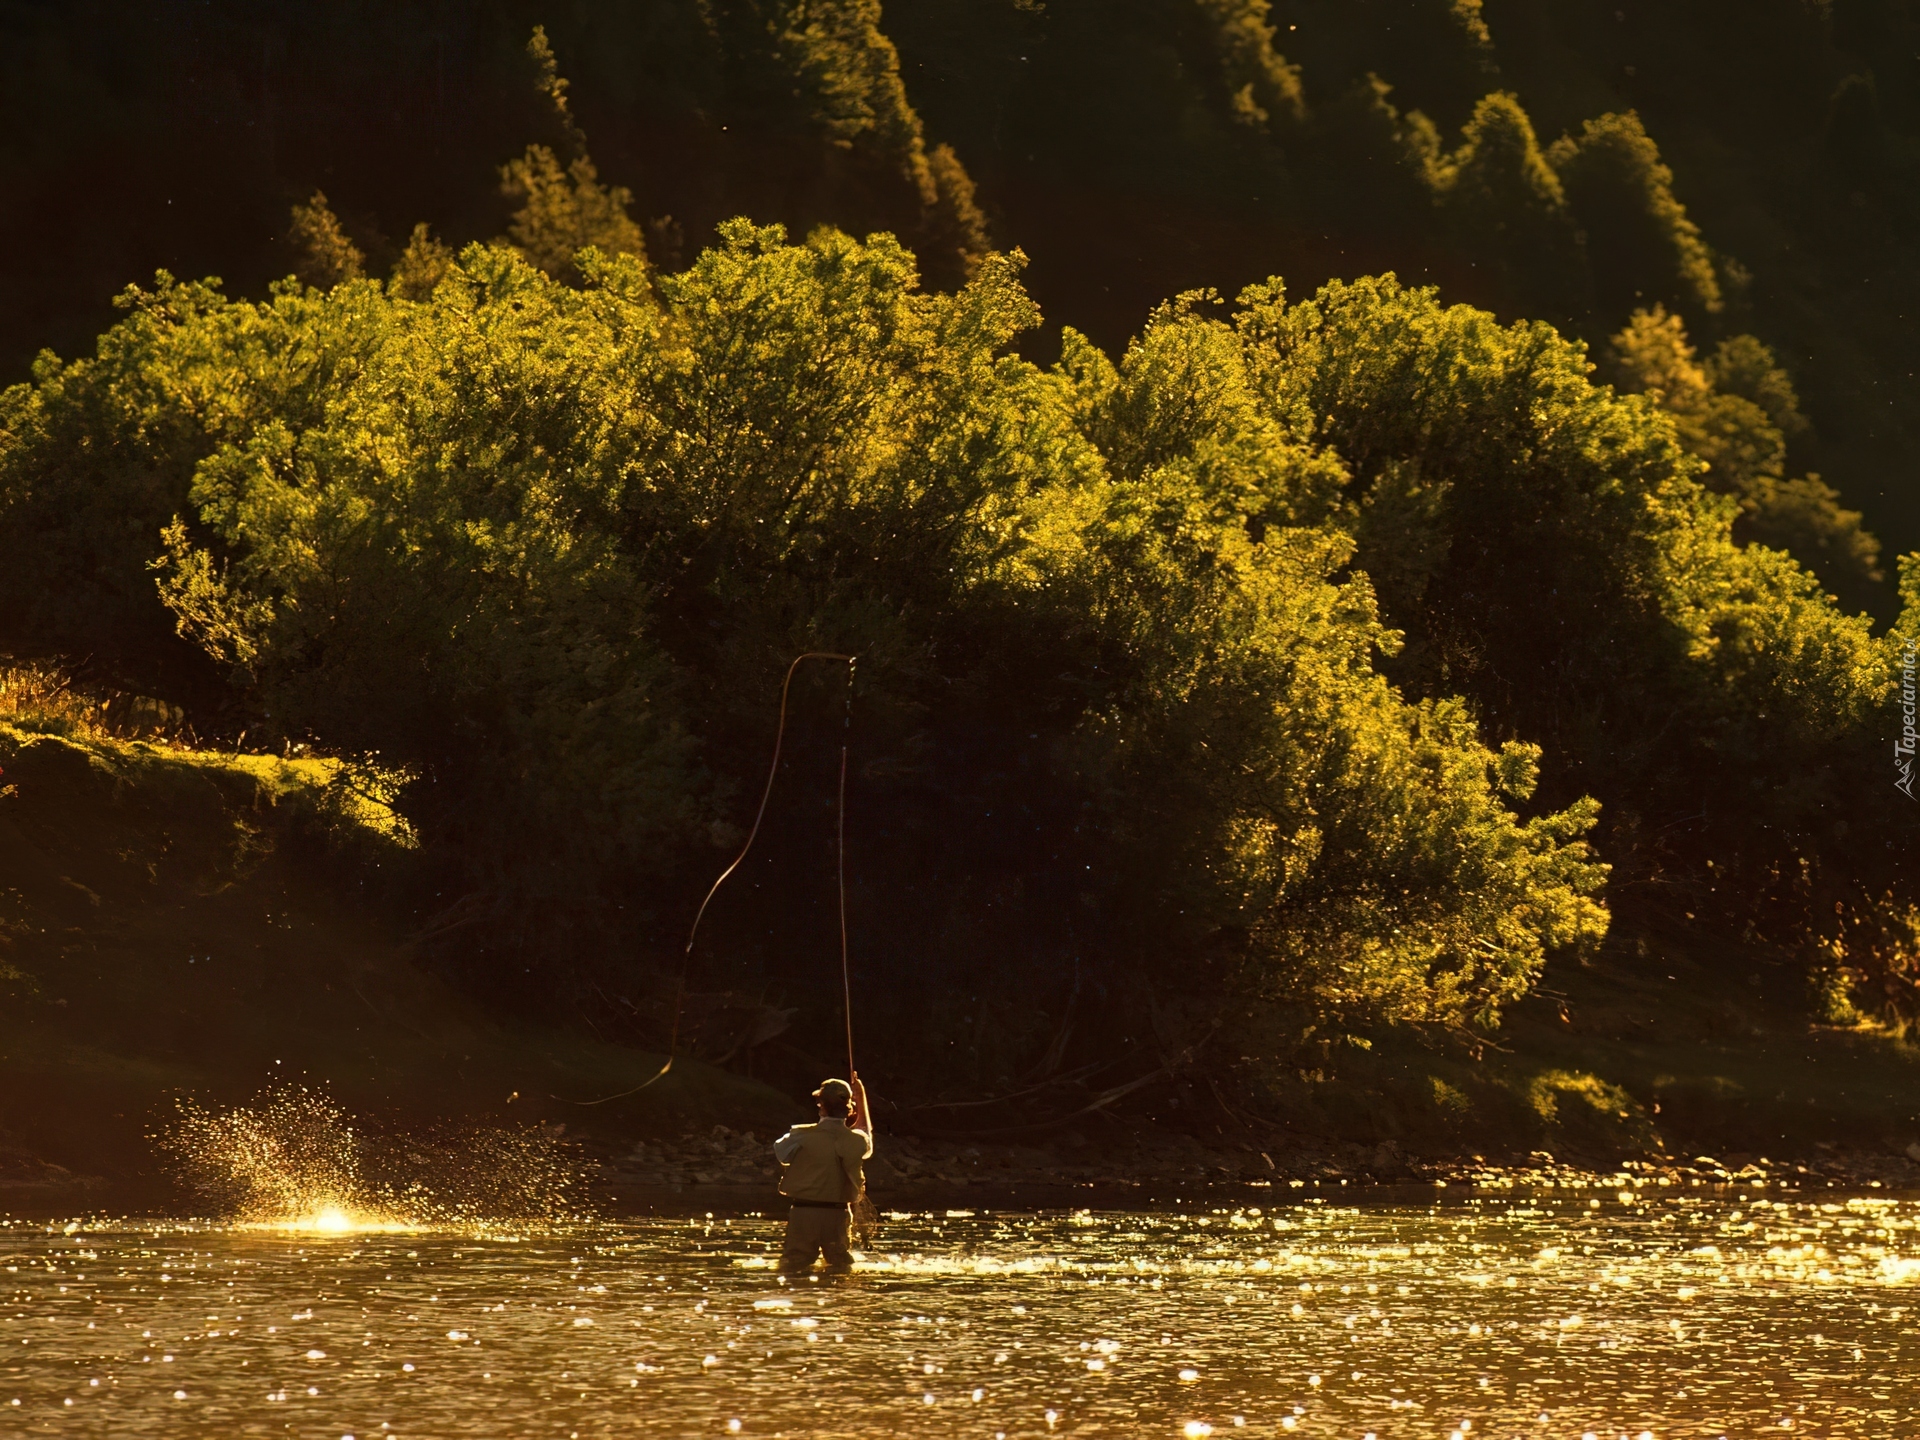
pixel 823 1162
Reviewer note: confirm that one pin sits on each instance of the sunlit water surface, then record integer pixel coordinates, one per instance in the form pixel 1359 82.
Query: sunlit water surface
pixel 1671 1315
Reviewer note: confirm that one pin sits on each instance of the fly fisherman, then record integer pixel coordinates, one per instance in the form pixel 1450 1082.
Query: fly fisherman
pixel 820 1174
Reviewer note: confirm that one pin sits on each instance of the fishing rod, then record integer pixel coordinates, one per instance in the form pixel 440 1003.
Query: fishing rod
pixel 840 867
pixel 861 1212
pixel 693 934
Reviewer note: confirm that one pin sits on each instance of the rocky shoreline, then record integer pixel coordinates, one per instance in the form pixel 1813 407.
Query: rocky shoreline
pixel 913 1169
pixel 735 1169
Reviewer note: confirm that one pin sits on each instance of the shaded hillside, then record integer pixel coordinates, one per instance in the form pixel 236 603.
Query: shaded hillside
pixel 177 923
pixel 1140 148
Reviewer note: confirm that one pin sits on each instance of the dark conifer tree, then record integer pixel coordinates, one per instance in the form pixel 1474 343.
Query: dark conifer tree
pixel 1641 244
pixel 1508 215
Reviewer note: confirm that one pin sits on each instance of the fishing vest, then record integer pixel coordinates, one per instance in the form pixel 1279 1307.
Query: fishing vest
pixel 827 1166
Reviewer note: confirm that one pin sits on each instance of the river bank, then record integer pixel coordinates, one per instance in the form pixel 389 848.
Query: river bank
pixel 167 930
pixel 733 1170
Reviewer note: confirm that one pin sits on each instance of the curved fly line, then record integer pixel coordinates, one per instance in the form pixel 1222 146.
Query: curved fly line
pixel 840 863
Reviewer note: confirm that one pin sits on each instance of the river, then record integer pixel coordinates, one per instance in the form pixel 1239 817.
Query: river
pixel 1591 1314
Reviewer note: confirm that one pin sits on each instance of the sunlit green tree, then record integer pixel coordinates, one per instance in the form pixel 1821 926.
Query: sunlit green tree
pixel 546 545
pixel 1549 553
pixel 562 209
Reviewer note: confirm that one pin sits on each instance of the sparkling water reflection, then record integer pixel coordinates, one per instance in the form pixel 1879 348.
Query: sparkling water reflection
pixel 1638 1314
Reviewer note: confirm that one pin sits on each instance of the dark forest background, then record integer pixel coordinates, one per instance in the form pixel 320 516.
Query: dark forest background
pixel 1333 561
pixel 1133 148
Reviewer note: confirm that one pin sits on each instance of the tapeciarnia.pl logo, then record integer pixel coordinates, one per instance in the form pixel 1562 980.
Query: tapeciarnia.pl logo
pixel 1904 746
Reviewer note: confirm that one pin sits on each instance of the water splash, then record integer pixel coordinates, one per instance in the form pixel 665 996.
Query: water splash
pixel 290 1158
pixel 293 1159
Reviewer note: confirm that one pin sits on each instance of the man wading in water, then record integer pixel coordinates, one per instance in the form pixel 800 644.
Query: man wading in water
pixel 820 1173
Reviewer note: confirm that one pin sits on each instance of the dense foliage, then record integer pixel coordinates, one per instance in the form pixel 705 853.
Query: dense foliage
pixel 545 547
pixel 1296 666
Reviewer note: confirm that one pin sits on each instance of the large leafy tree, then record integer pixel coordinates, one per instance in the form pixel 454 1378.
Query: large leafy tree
pixel 544 548
pixel 1548 549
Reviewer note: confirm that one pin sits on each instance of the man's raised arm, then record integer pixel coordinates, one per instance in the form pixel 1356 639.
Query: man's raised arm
pixel 858 1119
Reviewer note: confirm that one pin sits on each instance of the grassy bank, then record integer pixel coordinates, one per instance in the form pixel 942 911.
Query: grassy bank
pixel 176 922
pixel 1658 1048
